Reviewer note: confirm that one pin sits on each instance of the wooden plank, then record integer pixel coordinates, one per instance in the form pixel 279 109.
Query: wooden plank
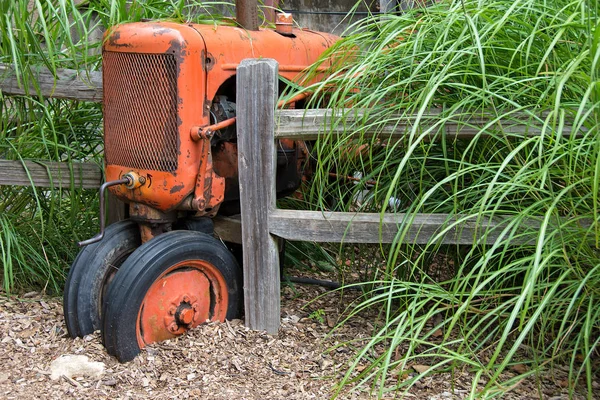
pixel 50 174
pixel 387 6
pixel 66 84
pixel 257 86
pixel 116 209
pixel 310 124
pixel 345 227
pixel 228 229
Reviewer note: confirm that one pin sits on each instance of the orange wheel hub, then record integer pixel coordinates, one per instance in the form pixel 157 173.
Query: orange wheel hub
pixel 184 296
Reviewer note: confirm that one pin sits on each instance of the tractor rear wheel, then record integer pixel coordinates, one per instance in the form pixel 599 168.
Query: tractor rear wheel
pixel 169 285
pixel 91 273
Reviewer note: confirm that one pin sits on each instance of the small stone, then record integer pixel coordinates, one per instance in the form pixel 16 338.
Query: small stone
pixel 520 368
pixel 88 338
pixel 563 383
pixel 421 368
pixel 71 365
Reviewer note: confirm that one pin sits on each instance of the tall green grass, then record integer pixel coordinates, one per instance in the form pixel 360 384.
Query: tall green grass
pixel 530 297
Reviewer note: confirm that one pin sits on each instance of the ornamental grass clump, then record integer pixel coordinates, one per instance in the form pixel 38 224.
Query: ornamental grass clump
pixel 524 293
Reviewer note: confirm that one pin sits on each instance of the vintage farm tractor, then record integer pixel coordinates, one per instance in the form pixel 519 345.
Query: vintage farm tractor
pixel 170 146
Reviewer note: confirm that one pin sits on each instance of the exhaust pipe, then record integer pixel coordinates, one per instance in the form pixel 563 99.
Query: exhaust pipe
pixel 246 14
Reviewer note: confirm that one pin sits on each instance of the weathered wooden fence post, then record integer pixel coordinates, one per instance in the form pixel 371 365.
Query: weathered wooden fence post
pixel 257 83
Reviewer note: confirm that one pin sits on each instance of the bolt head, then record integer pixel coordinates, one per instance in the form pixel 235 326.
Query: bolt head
pixel 173 327
pixel 172 310
pixel 186 299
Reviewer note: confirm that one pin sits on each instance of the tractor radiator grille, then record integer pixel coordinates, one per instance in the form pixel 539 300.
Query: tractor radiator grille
pixel 140 110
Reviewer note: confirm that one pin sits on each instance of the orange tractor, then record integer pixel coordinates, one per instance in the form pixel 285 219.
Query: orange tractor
pixel 171 154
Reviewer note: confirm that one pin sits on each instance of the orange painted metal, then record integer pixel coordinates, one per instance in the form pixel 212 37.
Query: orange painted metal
pixel 180 299
pixel 294 99
pixel 163 190
pixel 151 119
pixel 284 23
pixel 210 187
pixel 227 46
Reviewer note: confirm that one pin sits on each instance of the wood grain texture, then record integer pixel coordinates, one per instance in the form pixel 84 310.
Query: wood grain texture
pixel 66 84
pixel 257 86
pixel 310 124
pixel 50 174
pixel 228 229
pixel 116 210
pixel 348 227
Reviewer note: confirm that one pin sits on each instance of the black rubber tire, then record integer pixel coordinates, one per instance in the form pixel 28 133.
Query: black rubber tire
pixel 85 286
pixel 146 265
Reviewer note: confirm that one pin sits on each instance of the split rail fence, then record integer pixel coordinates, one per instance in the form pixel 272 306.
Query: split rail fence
pixel 259 124
pixel 262 224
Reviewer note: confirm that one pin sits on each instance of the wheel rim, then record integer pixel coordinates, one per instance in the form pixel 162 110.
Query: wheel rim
pixel 184 296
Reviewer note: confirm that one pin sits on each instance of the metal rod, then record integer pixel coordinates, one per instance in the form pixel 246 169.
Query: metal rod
pixel 294 99
pixel 246 14
pixel 100 236
pixel 210 129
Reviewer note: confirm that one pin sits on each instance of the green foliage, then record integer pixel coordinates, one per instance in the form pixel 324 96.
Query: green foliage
pixel 318 315
pixel 532 295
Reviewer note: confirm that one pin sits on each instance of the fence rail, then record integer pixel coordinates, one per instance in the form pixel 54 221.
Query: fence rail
pixel 309 124
pixel 48 174
pixel 64 84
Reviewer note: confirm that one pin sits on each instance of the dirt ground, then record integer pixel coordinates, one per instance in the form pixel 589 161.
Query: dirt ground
pixel 214 361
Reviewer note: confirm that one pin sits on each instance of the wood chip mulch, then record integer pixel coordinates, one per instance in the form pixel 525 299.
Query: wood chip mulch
pixel 214 361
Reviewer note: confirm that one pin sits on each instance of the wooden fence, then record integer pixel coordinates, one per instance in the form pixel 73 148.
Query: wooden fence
pixel 259 124
pixel 65 84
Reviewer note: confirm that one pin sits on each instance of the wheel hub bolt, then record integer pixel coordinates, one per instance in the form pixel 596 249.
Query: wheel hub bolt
pixel 186 316
pixel 172 310
pixel 173 327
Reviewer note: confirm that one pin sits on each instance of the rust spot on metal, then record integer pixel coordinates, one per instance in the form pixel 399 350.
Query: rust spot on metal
pixel 114 37
pixel 176 188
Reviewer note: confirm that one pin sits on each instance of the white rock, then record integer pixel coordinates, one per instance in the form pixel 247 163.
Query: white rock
pixel 71 365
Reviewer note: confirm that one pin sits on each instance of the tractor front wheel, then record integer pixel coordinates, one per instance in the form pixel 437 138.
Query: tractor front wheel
pixel 91 273
pixel 169 285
